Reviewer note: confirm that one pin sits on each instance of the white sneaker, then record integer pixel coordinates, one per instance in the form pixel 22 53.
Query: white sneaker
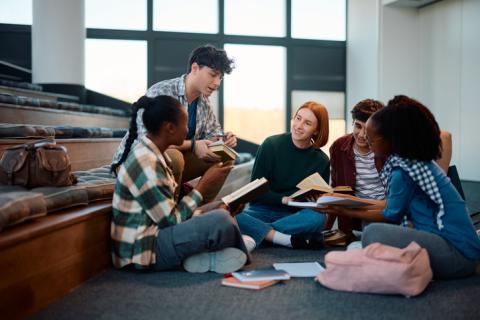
pixel 250 244
pixel 354 245
pixel 222 261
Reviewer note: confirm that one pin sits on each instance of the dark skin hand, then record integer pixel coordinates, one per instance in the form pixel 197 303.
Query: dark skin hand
pixel 221 205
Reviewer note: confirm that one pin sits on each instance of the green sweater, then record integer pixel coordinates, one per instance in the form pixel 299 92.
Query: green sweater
pixel 284 166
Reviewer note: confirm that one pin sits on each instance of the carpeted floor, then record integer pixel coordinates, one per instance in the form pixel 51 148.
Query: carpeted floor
pixel 180 295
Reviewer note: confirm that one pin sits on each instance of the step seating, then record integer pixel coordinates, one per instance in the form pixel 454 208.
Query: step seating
pixel 43 258
pixel 54 117
pixel 36 94
pixel 84 153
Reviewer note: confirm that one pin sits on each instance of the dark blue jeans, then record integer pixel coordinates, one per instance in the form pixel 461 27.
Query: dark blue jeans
pixel 257 220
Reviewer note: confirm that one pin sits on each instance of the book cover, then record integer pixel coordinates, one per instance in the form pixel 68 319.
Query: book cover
pixel 300 269
pixel 336 199
pixel 315 185
pixel 247 193
pixel 253 285
pixel 261 275
pixel 222 150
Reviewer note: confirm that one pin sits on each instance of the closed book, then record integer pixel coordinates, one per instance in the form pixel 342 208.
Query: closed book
pixel 222 150
pixel 253 285
pixel 247 193
pixel 261 275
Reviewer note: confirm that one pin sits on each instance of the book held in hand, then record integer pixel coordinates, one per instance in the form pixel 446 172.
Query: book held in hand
pixel 222 150
pixel 261 275
pixel 253 285
pixel 334 199
pixel 247 193
pixel 314 185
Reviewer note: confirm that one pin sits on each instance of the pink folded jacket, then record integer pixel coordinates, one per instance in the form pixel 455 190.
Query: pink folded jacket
pixel 378 268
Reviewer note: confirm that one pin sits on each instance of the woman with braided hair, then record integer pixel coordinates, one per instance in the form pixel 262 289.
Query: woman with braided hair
pixel 150 229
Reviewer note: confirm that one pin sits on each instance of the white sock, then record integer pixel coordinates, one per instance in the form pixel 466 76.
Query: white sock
pixel 282 239
pixel 250 244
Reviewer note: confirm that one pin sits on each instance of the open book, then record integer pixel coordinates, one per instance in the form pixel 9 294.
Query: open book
pixel 334 199
pixel 222 150
pixel 314 185
pixel 247 193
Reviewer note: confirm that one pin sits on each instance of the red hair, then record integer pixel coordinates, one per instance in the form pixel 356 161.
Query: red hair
pixel 321 137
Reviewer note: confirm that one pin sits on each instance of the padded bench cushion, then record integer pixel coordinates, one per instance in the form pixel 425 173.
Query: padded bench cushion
pixel 17 204
pixel 8 130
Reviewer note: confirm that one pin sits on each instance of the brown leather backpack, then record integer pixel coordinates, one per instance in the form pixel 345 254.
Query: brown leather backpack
pixel 36 164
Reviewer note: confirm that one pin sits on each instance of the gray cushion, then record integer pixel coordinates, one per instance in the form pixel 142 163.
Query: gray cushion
pixel 19 206
pixel 8 130
pixel 58 198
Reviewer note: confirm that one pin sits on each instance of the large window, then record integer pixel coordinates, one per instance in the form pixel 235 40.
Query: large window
pixel 116 14
pixel 319 19
pixel 16 11
pixel 117 68
pixel 198 16
pixel 255 91
pixel 286 52
pixel 255 18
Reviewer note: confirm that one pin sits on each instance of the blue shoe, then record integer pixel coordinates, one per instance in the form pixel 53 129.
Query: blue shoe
pixel 223 261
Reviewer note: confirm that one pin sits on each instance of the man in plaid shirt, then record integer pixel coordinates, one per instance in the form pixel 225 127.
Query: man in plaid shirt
pixel 207 65
pixel 149 229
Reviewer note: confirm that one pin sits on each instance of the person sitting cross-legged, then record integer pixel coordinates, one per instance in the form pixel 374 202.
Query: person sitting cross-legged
pixel 285 160
pixel 149 229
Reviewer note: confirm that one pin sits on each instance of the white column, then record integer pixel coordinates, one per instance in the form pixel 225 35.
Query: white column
pixel 362 52
pixel 58 41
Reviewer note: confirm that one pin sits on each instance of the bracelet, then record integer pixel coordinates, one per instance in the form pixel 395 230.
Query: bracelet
pixel 193 145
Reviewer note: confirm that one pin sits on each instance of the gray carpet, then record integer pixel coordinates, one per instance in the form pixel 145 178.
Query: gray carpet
pixel 180 295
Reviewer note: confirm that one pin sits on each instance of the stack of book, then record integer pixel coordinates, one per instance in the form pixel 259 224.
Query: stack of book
pixel 255 279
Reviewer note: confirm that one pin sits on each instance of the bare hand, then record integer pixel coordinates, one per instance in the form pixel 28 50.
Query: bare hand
pixel 236 210
pixel 285 200
pixel 230 140
pixel 214 176
pixel 202 152
pixel 343 211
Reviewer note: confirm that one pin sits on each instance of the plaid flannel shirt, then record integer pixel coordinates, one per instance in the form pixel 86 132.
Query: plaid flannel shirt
pixel 143 204
pixel 207 125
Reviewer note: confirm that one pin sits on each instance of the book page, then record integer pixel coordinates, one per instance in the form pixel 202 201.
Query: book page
pixel 348 202
pixel 243 190
pixel 312 181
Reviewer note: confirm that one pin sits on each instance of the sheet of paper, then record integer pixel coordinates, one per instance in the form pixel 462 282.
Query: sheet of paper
pixel 300 269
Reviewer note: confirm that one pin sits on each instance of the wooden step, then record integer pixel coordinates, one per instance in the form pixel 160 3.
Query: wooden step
pixel 37 94
pixel 52 117
pixel 84 154
pixel 45 258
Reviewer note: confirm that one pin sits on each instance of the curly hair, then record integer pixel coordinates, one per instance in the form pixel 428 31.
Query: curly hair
pixel 410 129
pixel 365 108
pixel 212 57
